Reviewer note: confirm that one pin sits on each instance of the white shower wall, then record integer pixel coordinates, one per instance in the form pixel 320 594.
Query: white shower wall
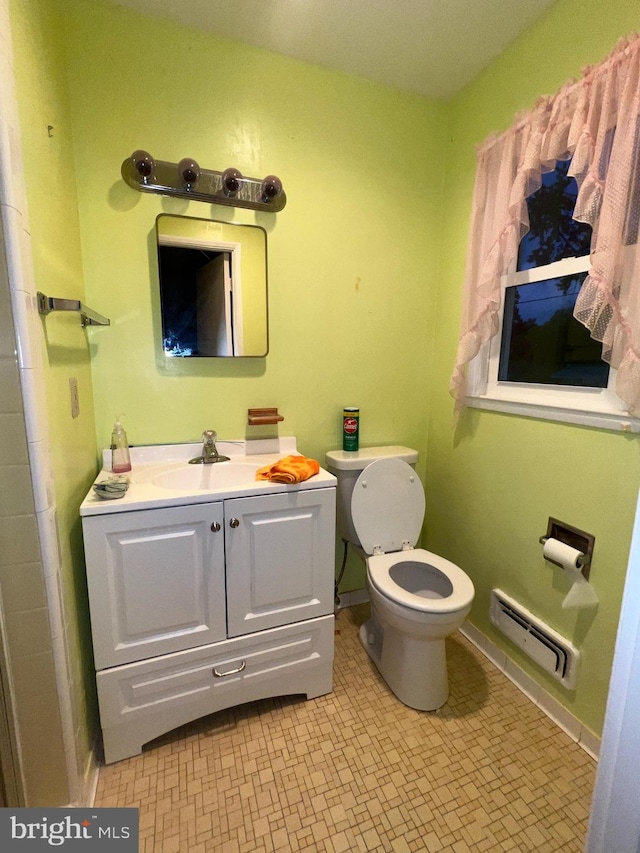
pixel 32 421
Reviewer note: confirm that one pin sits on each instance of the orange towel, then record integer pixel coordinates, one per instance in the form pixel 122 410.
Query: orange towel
pixel 290 469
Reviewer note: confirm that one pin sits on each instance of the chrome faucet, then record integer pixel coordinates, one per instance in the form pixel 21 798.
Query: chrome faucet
pixel 209 453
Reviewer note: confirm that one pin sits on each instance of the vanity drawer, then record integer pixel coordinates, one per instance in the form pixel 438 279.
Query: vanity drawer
pixel 143 700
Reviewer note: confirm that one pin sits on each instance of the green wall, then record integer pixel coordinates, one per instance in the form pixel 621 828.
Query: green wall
pixel 493 483
pixel 365 271
pixel 352 257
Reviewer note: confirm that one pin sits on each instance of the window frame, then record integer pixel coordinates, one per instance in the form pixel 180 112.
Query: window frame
pixel 596 407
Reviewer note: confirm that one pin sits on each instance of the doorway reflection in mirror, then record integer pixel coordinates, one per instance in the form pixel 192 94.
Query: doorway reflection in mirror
pixel 213 288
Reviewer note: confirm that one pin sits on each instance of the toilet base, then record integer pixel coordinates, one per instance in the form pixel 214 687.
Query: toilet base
pixel 415 669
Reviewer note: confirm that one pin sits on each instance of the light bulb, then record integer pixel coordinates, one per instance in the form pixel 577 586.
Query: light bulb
pixel 188 171
pixel 270 188
pixel 231 182
pixel 143 163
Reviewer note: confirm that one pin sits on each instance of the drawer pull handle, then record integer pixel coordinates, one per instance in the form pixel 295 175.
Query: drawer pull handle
pixel 215 527
pixel 234 522
pixel 231 671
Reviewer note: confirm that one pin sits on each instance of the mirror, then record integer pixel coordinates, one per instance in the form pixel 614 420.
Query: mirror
pixel 213 287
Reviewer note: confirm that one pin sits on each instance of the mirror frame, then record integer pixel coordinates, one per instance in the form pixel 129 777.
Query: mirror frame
pixel 248 272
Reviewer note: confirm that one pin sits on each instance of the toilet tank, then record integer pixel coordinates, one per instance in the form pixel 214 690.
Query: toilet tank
pixel 347 467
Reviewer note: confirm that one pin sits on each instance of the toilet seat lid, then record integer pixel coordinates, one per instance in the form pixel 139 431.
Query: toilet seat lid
pixel 387 506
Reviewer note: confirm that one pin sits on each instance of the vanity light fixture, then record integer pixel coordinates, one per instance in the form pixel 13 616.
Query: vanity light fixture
pixel 186 179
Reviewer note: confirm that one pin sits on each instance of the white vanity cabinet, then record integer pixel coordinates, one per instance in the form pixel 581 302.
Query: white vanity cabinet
pixel 198 607
pixel 156 581
pixel 278 549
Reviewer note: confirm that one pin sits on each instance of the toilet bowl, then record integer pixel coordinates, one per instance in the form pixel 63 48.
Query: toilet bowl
pixel 417 598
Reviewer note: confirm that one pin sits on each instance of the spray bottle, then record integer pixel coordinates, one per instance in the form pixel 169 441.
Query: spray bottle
pixel 120 459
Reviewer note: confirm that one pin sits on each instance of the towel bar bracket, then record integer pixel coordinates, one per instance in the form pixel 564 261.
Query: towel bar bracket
pixel 88 317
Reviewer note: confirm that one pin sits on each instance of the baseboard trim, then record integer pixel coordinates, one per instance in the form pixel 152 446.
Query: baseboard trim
pixel 91 780
pixel 87 795
pixel 556 712
pixel 351 598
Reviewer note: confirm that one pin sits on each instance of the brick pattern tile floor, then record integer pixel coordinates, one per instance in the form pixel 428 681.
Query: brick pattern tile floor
pixel 357 770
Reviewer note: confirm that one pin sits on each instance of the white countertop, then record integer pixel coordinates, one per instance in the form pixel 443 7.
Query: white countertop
pixel 158 462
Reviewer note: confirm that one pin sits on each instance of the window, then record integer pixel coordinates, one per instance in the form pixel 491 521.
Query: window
pixel 544 360
pixel 542 343
pixel 553 232
pixel 596 121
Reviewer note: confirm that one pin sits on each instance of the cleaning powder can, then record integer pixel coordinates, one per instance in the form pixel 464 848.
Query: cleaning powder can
pixel 350 427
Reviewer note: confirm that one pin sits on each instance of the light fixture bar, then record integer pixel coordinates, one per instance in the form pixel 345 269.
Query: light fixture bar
pixel 187 180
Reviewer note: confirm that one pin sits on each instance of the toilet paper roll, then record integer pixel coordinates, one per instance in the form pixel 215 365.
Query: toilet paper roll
pixel 581 594
pixel 561 554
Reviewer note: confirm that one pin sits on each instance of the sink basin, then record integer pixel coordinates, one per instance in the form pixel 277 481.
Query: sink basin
pixel 207 477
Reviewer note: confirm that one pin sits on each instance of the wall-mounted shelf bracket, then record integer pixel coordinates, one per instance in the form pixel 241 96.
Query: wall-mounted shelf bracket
pixel 256 417
pixel 88 317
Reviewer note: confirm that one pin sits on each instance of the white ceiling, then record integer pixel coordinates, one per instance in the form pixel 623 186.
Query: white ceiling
pixel 432 47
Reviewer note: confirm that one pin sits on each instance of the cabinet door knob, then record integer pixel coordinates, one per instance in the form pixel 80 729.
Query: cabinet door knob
pixel 234 522
pixel 231 671
pixel 215 527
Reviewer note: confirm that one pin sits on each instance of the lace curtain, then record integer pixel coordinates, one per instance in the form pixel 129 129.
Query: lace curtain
pixel 595 122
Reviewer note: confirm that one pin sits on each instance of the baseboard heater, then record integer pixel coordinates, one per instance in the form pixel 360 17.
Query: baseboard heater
pixel 542 644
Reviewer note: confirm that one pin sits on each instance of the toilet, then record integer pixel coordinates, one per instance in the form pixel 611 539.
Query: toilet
pixel 417 598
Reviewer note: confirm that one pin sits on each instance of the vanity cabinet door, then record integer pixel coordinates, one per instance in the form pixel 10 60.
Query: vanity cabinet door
pixel 280 559
pixel 156 581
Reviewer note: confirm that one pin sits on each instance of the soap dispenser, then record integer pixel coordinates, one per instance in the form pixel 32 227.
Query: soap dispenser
pixel 120 459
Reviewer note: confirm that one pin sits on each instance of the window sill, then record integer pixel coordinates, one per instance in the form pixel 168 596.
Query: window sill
pixel 614 421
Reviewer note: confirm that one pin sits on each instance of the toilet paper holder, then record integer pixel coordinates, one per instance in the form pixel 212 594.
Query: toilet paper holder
pixel 575 538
